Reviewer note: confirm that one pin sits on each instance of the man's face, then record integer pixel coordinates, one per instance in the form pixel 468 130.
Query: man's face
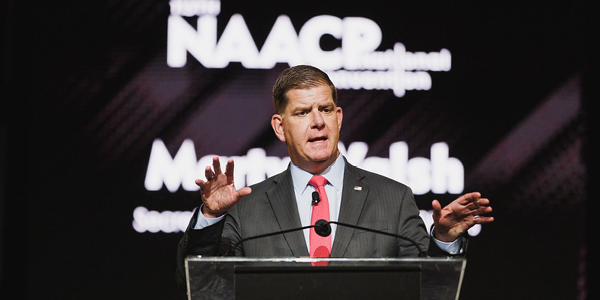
pixel 310 127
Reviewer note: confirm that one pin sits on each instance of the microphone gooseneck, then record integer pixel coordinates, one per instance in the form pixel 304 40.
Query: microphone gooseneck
pixel 323 228
pixel 232 249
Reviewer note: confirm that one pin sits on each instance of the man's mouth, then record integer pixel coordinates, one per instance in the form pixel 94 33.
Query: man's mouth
pixel 317 139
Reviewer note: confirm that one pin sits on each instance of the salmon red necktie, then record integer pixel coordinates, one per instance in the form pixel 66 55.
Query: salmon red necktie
pixel 319 246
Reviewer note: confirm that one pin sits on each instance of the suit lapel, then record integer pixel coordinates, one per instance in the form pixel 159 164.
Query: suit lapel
pixel 354 195
pixel 283 202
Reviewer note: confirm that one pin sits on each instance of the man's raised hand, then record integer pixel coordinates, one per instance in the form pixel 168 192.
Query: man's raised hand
pixel 460 215
pixel 218 191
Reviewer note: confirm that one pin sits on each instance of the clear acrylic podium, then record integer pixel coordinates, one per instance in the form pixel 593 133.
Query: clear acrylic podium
pixel 341 278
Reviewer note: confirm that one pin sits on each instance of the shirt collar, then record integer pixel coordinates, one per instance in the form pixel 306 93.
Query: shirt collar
pixel 334 174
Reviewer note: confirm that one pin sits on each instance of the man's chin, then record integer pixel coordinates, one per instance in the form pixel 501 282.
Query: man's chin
pixel 322 158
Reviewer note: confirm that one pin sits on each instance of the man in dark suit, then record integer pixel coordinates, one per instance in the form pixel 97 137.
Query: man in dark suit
pixel 308 120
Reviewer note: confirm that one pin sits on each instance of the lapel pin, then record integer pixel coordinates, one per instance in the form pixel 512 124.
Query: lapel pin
pixel 358 188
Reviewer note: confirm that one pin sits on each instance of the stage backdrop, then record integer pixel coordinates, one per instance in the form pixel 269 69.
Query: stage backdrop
pixel 115 107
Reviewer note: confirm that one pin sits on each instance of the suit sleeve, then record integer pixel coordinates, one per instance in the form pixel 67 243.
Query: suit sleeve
pixel 412 226
pixel 206 241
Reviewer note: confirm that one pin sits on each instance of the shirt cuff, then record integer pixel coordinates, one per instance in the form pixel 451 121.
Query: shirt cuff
pixel 203 222
pixel 453 248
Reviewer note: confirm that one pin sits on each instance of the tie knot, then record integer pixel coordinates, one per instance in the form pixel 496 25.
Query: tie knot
pixel 317 181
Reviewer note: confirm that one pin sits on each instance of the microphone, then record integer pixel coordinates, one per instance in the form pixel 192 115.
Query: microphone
pixel 315 198
pixel 323 228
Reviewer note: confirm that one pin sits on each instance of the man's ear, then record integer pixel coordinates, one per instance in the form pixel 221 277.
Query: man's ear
pixel 340 116
pixel 277 124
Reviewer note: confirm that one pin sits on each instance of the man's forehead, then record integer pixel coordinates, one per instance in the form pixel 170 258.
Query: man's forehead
pixel 309 96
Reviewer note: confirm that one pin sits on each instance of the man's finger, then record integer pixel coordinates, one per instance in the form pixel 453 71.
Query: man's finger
pixel 217 165
pixel 229 169
pixel 484 210
pixel 469 197
pixel 437 209
pixel 483 220
pixel 483 202
pixel 244 192
pixel 208 172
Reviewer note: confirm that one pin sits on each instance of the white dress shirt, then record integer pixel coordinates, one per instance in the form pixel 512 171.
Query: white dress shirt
pixel 335 182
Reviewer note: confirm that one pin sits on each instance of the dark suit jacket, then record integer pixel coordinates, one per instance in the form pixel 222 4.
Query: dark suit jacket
pixel 380 203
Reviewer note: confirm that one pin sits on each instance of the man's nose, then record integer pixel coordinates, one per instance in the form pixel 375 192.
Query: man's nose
pixel 318 120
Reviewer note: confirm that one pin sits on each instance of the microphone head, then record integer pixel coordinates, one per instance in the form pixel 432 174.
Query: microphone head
pixel 315 198
pixel 322 228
